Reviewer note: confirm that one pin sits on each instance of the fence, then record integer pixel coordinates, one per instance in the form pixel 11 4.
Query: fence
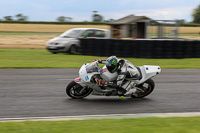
pixel 141 48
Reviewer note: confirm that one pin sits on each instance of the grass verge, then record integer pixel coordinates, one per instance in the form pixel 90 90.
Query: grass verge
pixel 41 58
pixel 136 125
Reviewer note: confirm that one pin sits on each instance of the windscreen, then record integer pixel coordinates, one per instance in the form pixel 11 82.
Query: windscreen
pixel 93 67
pixel 71 33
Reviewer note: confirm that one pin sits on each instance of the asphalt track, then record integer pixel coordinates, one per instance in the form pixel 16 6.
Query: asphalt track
pixel 41 93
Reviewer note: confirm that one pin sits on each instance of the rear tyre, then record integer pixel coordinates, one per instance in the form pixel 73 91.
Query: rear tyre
pixel 76 91
pixel 144 89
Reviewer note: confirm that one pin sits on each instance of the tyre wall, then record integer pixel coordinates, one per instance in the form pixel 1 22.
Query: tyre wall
pixel 141 48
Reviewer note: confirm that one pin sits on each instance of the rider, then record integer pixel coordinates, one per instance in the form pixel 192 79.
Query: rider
pixel 124 69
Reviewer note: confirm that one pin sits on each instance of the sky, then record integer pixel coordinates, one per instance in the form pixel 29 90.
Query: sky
pixel 82 10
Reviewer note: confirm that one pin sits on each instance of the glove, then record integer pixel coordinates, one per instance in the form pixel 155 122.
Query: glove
pixel 99 61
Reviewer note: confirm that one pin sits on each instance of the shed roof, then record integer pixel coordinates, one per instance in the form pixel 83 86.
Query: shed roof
pixel 129 19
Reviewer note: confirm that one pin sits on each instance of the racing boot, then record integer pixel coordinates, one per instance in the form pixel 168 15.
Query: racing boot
pixel 121 91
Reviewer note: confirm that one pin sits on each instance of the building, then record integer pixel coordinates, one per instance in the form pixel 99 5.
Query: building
pixel 129 26
pixel 133 26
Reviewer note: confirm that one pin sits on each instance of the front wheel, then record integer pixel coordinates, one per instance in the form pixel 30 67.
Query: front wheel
pixel 73 49
pixel 144 89
pixel 76 91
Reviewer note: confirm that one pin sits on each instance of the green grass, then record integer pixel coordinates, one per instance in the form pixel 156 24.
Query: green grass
pixel 193 35
pixel 136 125
pixel 40 58
pixel 179 35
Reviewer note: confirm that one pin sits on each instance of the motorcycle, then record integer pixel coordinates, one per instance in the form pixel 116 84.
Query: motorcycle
pixel 85 84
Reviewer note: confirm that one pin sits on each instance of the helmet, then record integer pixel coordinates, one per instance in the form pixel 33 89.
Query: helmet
pixel 112 64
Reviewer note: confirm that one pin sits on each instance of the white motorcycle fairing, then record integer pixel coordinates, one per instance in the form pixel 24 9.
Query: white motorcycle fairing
pixel 85 74
pixel 148 72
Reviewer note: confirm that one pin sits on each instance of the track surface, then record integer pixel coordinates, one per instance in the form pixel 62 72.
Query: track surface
pixel 41 93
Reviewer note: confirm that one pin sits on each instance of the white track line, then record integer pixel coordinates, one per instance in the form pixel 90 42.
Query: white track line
pixel 110 116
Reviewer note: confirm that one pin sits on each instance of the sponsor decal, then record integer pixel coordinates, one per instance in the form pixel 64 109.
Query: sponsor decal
pixel 105 70
pixel 76 80
pixel 86 78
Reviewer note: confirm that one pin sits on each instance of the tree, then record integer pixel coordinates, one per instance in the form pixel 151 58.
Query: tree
pixel 63 19
pixel 8 18
pixel 21 17
pixel 196 15
pixel 97 17
pixel 69 19
pixel 110 20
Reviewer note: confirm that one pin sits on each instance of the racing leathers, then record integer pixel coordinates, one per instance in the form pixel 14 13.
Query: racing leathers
pixel 125 70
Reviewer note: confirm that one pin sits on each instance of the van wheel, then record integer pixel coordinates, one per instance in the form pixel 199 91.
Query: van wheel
pixel 73 50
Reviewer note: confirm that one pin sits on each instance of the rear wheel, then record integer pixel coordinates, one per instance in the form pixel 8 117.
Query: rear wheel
pixel 144 89
pixel 76 91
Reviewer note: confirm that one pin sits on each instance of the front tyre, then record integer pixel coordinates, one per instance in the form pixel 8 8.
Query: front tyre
pixel 76 91
pixel 73 49
pixel 144 89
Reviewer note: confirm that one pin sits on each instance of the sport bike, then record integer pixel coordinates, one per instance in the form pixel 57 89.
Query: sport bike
pixel 85 84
